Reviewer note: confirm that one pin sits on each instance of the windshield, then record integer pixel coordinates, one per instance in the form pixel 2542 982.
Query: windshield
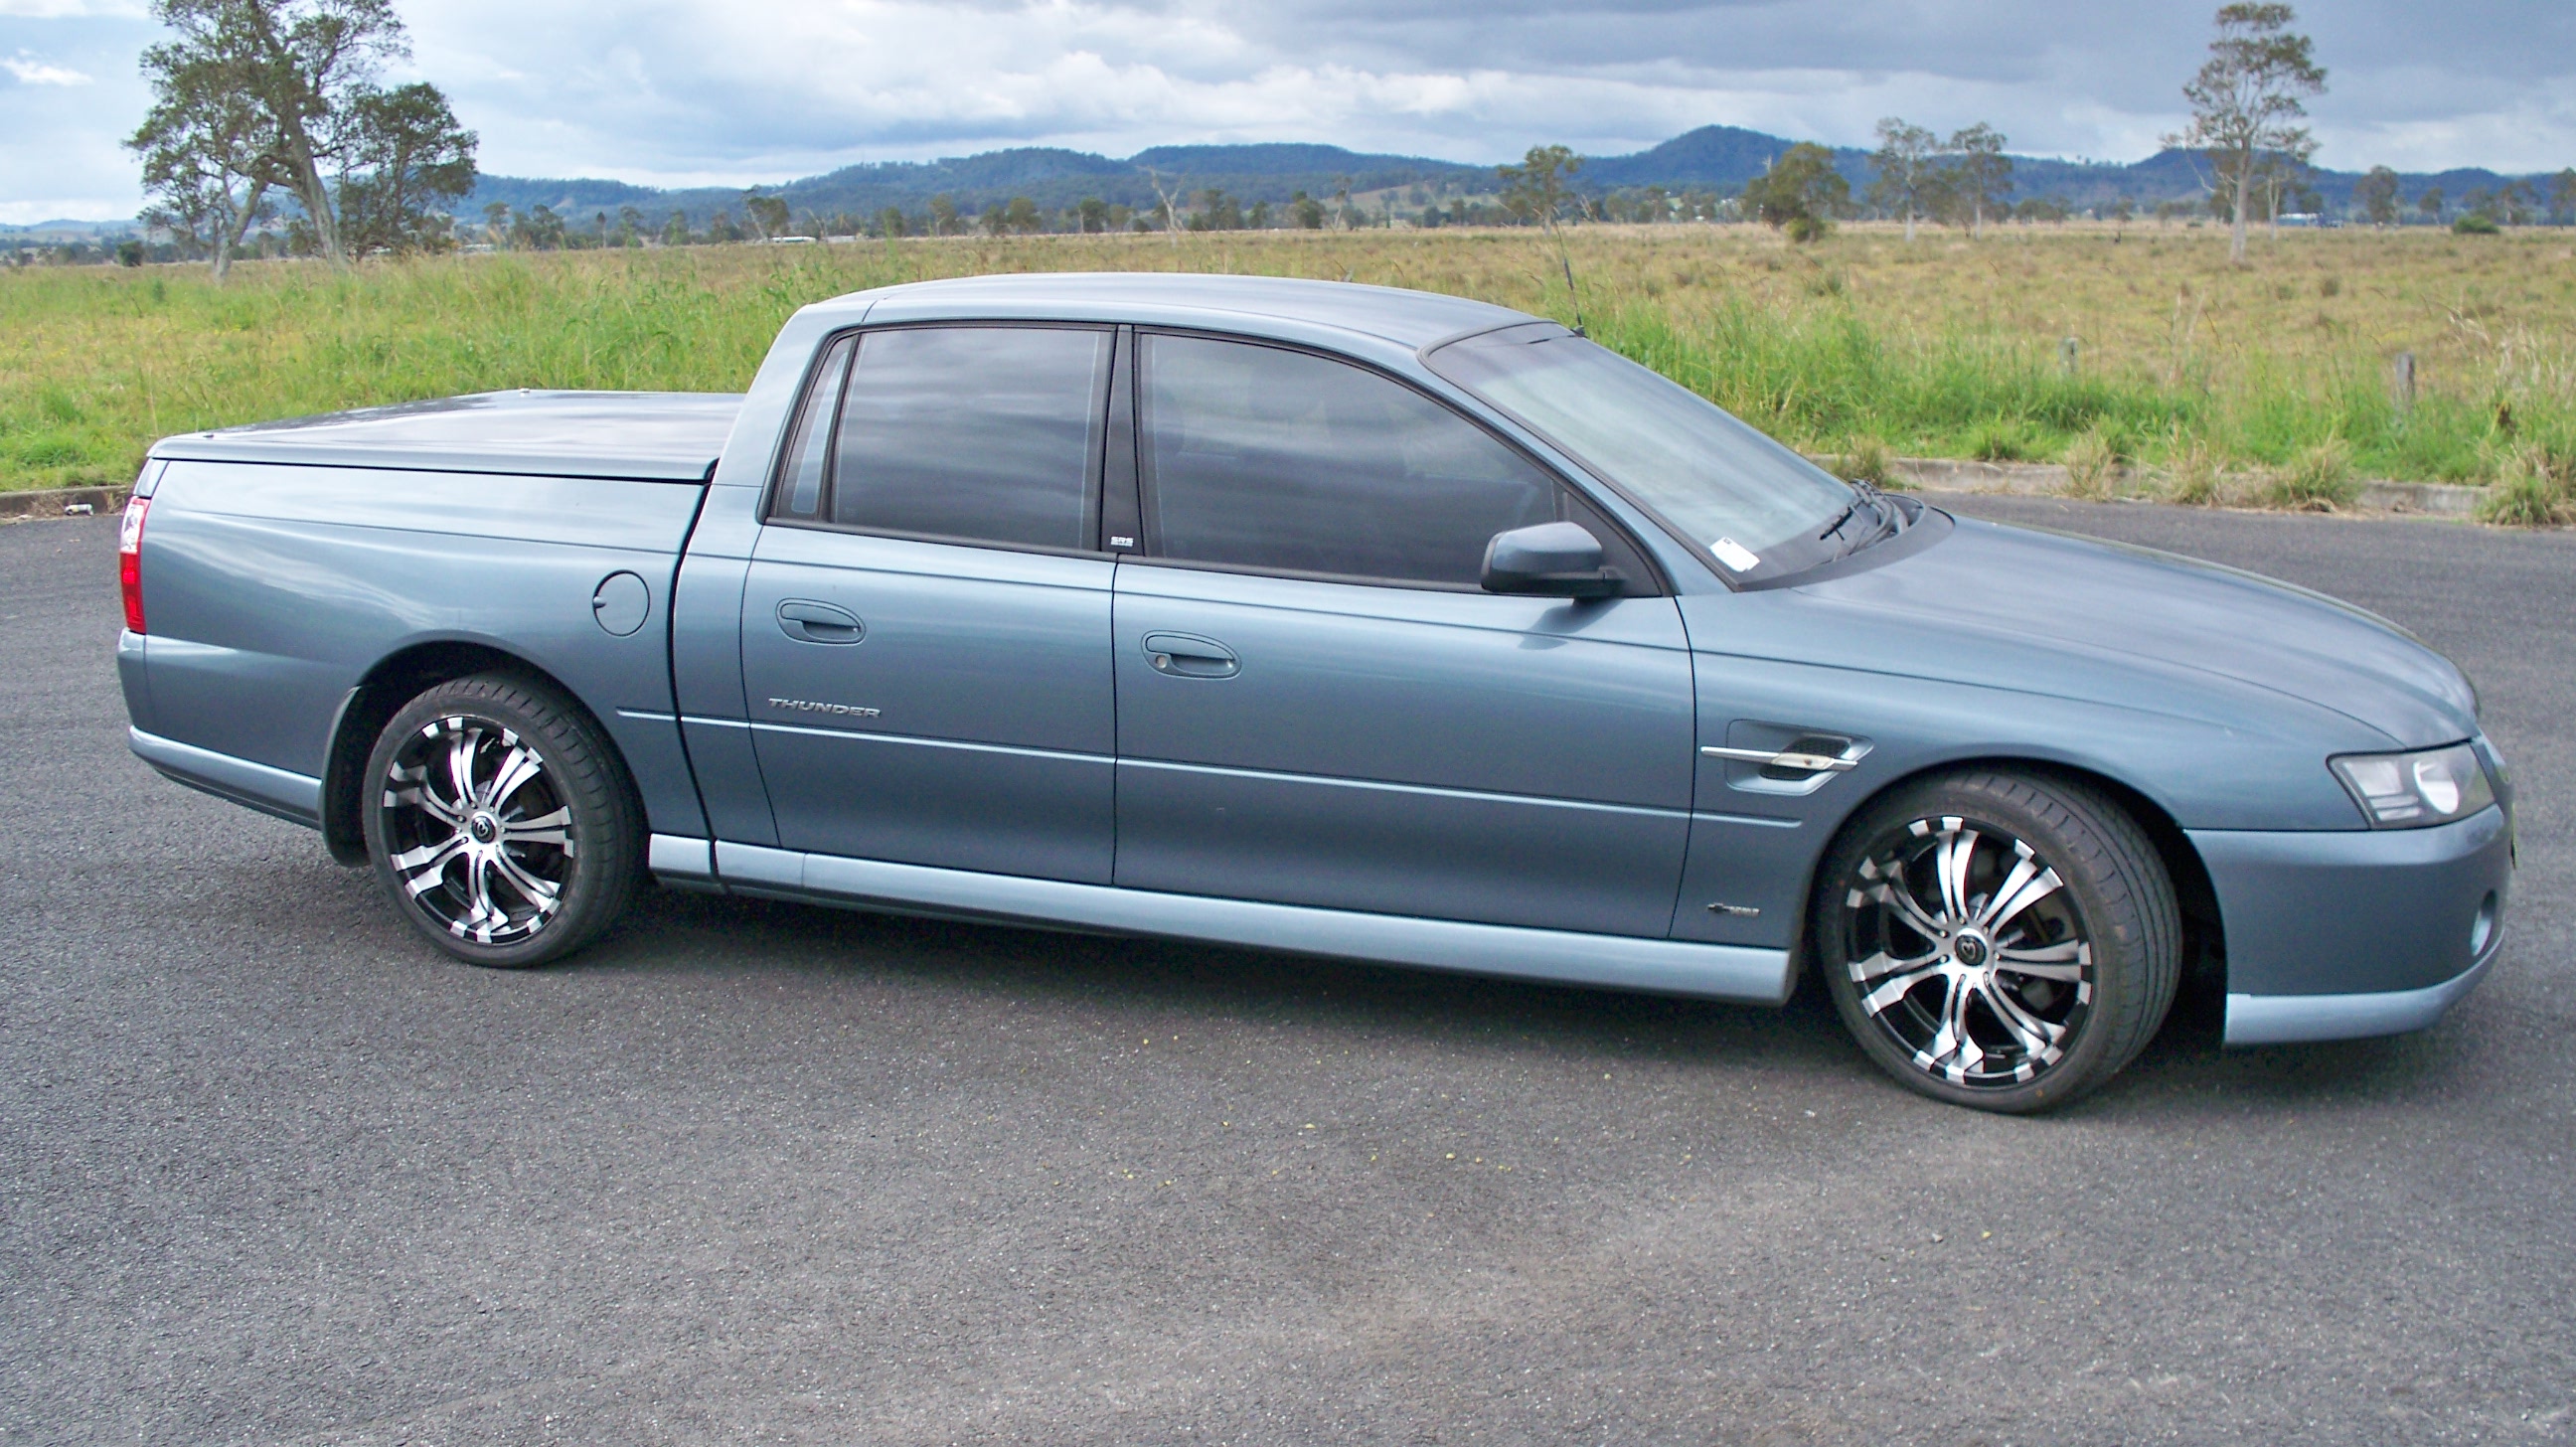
pixel 1756 507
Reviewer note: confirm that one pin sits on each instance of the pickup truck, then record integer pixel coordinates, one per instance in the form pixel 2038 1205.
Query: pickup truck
pixel 1334 619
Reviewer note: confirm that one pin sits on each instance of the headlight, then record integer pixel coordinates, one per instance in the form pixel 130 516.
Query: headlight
pixel 2409 791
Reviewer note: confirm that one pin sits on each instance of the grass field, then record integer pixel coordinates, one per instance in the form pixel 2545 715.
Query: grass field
pixel 1862 345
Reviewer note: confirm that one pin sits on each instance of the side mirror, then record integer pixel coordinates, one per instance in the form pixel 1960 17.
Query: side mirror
pixel 1551 560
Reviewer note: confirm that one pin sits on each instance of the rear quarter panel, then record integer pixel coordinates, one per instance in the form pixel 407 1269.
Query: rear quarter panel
pixel 272 590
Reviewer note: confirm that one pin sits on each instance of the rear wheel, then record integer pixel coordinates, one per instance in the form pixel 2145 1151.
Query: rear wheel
pixel 500 821
pixel 1998 940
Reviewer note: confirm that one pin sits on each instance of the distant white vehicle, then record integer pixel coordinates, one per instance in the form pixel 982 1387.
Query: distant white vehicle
pixel 791 241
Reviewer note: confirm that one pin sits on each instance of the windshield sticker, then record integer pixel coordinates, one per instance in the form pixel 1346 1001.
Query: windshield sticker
pixel 1735 555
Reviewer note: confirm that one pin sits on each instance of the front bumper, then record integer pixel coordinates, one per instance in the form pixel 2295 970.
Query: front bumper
pixel 2342 935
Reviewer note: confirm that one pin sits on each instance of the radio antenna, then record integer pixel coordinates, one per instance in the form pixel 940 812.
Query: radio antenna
pixel 1572 296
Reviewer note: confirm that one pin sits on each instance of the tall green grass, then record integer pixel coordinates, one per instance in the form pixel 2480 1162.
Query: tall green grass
pixel 1827 381
pixel 97 363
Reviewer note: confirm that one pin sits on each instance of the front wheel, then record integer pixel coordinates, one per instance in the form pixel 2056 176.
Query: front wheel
pixel 500 821
pixel 1998 940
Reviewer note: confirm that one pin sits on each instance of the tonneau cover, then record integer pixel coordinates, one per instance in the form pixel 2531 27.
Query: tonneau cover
pixel 651 436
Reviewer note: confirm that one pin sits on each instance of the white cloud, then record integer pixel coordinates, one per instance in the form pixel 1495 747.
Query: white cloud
pixel 70 9
pixel 64 208
pixel 31 71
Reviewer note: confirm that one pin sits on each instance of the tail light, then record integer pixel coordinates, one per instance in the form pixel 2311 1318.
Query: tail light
pixel 129 560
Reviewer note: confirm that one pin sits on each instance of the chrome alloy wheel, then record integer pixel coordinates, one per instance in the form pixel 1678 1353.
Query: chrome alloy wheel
pixel 478 835
pixel 1965 946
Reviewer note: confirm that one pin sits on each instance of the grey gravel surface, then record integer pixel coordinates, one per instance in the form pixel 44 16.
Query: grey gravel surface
pixel 273 1171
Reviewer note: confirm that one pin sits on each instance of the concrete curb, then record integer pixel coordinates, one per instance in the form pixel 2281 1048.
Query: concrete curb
pixel 58 501
pixel 2048 479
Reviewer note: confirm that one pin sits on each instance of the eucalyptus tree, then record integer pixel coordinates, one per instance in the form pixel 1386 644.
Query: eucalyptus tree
pixel 405 160
pixel 1801 193
pixel 281 95
pixel 1906 160
pixel 1979 176
pixel 2247 103
pixel 1536 190
pixel 769 214
pixel 2375 196
pixel 210 154
pixel 1217 211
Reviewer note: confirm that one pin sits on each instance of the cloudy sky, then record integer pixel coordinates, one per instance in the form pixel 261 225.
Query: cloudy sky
pixel 704 91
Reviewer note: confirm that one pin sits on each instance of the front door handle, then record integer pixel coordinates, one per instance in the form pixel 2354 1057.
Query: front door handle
pixel 1184 656
pixel 819 622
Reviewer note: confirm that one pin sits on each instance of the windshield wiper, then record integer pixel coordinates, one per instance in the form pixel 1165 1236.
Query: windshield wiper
pixel 1885 518
pixel 1842 517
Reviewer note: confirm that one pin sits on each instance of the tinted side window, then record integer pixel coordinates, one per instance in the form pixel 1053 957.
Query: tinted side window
pixel 1262 457
pixel 989 434
pixel 800 484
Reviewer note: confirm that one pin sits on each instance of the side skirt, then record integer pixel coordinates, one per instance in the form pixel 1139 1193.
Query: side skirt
pixel 1672 967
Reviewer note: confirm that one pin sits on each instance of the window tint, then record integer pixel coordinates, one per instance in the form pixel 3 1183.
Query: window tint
pixel 982 433
pixel 1261 457
pixel 800 484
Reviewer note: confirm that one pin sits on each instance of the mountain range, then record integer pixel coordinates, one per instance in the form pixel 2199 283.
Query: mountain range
pixel 1718 159
pixel 1711 158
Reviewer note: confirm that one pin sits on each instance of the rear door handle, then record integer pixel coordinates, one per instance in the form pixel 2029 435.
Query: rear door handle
pixel 1183 656
pixel 809 622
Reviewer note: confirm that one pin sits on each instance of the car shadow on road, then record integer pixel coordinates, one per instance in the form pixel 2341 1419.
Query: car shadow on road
pixel 676 931
pixel 2187 1059
pixel 695 934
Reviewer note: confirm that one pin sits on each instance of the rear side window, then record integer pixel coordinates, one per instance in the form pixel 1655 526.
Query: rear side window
pixel 809 447
pixel 981 434
pixel 1261 457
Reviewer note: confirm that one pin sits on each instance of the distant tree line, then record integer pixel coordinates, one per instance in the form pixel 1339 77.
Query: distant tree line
pixel 762 217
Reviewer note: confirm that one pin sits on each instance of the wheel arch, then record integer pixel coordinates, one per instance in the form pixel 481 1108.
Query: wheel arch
pixel 2204 933
pixel 395 680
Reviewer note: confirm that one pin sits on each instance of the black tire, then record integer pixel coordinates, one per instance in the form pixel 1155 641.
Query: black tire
pixel 544 803
pixel 1992 988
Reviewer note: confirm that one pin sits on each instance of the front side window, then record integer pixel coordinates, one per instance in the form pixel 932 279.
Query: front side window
pixel 1759 508
pixel 985 434
pixel 1261 457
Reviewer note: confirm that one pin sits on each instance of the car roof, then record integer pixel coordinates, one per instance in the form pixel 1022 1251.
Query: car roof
pixel 1409 318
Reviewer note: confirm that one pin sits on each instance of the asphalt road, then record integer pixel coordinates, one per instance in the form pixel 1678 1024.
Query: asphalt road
pixel 273 1171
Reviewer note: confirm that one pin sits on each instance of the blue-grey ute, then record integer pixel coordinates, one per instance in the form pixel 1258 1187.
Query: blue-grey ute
pixel 1335 619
